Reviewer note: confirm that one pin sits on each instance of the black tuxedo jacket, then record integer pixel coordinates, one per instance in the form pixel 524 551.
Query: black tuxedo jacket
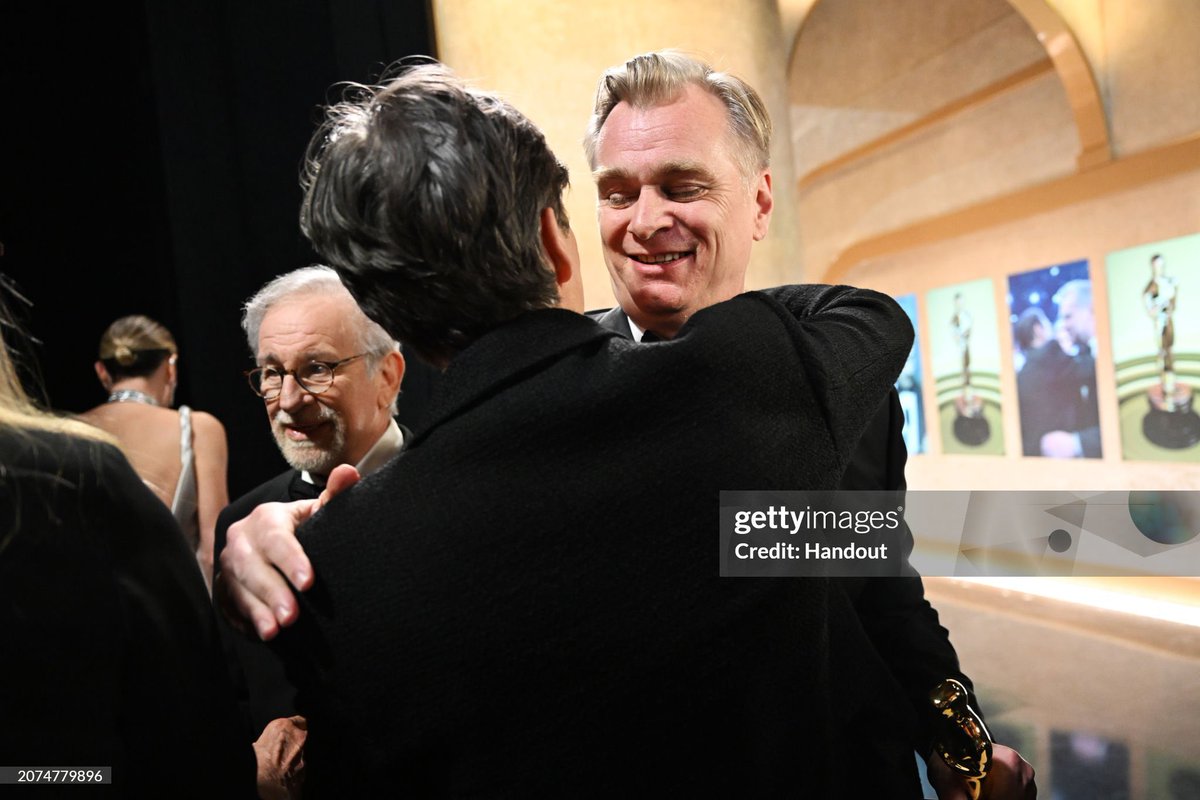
pixel 263 689
pixel 901 623
pixel 528 602
pixel 261 685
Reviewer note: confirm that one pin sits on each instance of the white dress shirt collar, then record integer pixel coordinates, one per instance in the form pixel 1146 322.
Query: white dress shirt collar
pixel 386 447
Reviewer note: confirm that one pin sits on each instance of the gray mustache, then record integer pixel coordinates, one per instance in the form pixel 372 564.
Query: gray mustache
pixel 284 418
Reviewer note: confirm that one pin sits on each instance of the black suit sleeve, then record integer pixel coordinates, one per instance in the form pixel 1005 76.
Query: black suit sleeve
pixel 261 688
pixel 901 624
pixel 231 642
pixel 854 340
pixel 220 536
pixel 864 339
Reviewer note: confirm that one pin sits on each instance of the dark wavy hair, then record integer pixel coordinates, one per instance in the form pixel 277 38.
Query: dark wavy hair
pixel 425 196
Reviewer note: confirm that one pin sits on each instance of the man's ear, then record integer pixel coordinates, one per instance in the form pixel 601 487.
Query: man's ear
pixel 562 253
pixel 765 204
pixel 102 374
pixel 391 373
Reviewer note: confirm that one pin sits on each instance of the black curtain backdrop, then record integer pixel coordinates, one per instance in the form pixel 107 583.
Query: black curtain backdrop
pixel 151 166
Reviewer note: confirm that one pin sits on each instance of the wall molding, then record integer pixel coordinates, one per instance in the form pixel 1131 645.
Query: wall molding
pixel 1075 72
pixel 965 103
pixel 1108 178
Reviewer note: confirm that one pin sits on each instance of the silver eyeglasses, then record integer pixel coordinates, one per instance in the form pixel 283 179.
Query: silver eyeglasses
pixel 314 377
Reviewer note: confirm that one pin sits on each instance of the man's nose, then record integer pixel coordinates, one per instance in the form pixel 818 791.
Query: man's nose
pixel 651 214
pixel 291 394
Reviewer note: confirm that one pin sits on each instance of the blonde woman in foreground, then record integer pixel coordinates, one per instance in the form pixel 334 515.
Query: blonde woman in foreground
pixel 112 659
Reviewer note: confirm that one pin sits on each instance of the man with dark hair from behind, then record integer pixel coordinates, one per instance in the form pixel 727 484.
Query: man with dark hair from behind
pixel 514 606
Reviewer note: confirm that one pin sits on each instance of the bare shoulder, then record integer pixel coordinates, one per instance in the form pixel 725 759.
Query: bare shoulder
pixel 206 424
pixel 97 416
pixel 208 437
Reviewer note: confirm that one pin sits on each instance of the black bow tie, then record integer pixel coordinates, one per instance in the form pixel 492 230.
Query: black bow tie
pixel 300 489
pixel 649 337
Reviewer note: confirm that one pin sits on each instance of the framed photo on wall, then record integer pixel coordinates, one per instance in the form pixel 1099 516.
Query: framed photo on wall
pixel 1054 352
pixel 965 355
pixel 908 386
pixel 1154 311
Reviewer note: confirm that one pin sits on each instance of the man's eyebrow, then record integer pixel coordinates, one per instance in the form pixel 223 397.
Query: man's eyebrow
pixel 306 357
pixel 677 168
pixel 610 174
pixel 667 169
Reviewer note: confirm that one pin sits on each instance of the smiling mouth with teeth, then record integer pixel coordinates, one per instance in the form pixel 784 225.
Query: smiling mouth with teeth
pixel 661 258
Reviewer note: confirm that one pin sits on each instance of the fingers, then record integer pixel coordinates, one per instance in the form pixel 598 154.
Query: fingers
pixel 240 599
pixel 284 737
pixel 280 755
pixel 259 548
pixel 342 478
pixel 243 609
pixel 1010 778
pixel 275 537
pixel 948 784
pixel 262 550
pixel 239 611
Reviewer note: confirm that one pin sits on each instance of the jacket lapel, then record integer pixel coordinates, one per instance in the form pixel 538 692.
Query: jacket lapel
pixel 614 320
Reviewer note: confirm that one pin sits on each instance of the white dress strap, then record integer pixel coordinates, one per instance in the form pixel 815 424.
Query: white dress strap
pixel 186 503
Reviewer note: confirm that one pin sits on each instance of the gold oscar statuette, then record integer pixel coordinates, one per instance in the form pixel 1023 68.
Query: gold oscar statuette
pixel 962 740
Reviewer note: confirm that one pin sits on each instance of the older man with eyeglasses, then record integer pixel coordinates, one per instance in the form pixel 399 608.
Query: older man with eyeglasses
pixel 328 377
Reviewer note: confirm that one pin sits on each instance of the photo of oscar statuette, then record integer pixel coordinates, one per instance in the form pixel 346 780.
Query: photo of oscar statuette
pixel 965 356
pixel 1156 347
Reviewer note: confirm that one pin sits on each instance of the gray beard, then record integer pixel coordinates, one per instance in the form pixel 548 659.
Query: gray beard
pixel 307 455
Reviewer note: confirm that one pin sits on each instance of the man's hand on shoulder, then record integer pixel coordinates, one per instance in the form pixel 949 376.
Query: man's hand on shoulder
pixel 262 556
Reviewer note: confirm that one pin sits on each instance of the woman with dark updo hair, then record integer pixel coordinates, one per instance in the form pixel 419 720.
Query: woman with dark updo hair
pixel 181 455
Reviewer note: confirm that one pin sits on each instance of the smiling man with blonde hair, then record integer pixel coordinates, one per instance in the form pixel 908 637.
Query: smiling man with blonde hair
pixel 680 154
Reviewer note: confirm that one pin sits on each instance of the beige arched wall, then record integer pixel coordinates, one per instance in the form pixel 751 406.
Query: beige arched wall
pixel 1023 92
pixel 545 57
pixel 902 111
pixel 1075 73
pixel 1146 59
pixel 1094 149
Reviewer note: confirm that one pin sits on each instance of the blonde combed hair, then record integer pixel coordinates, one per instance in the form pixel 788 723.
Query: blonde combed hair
pixel 18 412
pixel 653 79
